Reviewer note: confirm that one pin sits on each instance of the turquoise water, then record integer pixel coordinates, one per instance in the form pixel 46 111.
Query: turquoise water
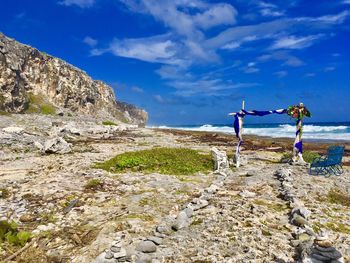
pixel 315 131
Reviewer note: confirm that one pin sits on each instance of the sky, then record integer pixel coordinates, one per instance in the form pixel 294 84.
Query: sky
pixel 194 61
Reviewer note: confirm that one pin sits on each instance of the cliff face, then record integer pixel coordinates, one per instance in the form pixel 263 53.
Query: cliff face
pixel 32 81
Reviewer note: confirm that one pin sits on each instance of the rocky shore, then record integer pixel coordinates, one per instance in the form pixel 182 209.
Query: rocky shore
pixel 50 186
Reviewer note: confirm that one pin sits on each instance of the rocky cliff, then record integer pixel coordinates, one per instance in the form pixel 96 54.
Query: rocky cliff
pixel 32 82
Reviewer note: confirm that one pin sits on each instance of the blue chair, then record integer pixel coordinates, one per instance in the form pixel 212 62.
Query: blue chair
pixel 329 164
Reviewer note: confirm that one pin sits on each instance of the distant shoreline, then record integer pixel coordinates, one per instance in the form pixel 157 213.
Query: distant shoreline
pixel 325 132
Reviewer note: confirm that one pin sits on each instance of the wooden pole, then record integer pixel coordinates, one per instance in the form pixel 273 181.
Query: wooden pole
pixel 240 139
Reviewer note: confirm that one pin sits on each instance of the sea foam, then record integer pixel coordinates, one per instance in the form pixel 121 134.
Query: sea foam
pixel 310 131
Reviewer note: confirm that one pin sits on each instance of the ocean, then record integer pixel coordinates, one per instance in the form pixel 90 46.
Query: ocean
pixel 312 131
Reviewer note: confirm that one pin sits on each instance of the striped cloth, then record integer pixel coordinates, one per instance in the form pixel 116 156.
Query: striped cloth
pixel 238 126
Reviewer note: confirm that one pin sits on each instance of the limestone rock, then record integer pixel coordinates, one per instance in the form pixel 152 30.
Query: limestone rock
pixel 182 221
pixel 57 145
pixel 156 240
pixel 30 79
pixel 247 194
pixel 13 129
pixel 146 246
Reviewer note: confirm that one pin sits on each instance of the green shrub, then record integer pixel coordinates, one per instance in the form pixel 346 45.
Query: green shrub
pixel 47 109
pixel 176 161
pixel 286 157
pixel 335 196
pixel 4 113
pixel 110 123
pixel 10 234
pixel 94 184
pixel 37 104
pixel 4 193
pixel 309 157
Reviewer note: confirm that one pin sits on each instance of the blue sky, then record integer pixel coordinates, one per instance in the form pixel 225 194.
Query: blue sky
pixel 193 61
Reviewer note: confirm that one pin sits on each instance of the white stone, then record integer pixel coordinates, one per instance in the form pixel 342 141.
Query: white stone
pixel 57 145
pixel 247 194
pixel 13 129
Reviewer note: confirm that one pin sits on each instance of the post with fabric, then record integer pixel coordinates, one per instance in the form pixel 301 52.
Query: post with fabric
pixel 298 112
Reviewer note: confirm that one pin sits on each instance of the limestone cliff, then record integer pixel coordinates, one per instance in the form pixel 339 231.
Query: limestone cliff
pixel 33 81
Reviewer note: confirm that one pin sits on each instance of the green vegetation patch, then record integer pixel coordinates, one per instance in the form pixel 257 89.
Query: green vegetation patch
pixel 309 157
pixel 335 196
pixel 10 234
pixel 110 123
pixel 94 184
pixel 197 221
pixel 278 207
pixel 143 217
pixel 4 113
pixel 37 104
pixel 176 161
pixel 4 193
pixel 338 227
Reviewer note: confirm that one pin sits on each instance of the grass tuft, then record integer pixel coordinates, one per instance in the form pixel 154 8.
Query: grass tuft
pixel 176 161
pixel 143 217
pixel 335 196
pixel 37 104
pixel 4 113
pixel 94 184
pixel 10 234
pixel 4 193
pixel 308 157
pixel 109 123
pixel 278 207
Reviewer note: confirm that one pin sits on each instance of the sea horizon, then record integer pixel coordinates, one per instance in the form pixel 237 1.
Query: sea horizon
pixel 337 131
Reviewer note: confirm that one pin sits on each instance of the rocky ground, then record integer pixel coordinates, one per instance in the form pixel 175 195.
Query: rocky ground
pixel 46 186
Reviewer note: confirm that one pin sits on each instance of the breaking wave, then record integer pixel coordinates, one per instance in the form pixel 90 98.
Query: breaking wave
pixel 310 131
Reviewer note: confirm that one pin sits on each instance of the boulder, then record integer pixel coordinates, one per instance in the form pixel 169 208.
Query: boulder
pixel 182 221
pixel 57 145
pixel 146 247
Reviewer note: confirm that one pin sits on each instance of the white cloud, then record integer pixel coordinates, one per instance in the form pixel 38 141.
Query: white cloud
pixel 347 2
pixel 80 3
pixel 159 49
pixel 293 42
pixel 268 9
pixel 219 14
pixel 173 72
pixel 271 29
pixel 250 68
pixel 329 69
pixel 251 64
pixel 20 15
pixel 281 74
pixel 270 12
pixel 310 75
pixel 137 89
pixel 287 58
pixel 186 88
pixel 232 45
pixel 186 42
pixel 333 19
pixel 159 98
pixel 184 16
pixel 90 41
